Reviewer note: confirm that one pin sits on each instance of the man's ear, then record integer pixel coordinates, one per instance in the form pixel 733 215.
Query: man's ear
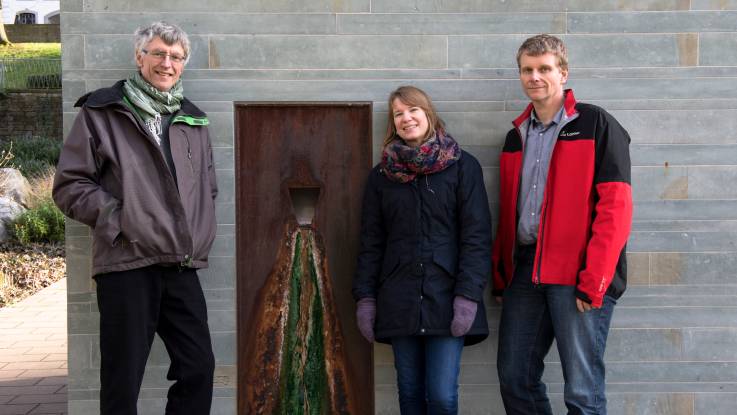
pixel 139 59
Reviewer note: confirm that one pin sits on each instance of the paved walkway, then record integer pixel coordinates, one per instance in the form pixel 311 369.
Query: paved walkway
pixel 33 354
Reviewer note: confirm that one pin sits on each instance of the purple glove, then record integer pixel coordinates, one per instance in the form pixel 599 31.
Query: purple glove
pixel 365 316
pixel 464 312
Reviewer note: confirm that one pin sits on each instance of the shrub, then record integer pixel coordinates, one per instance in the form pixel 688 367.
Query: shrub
pixel 43 221
pixel 34 155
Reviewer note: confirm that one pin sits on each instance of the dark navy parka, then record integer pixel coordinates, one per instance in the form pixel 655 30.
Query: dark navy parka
pixel 423 243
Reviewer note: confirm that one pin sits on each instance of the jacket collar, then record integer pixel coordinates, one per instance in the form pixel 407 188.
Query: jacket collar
pixel 569 103
pixel 113 95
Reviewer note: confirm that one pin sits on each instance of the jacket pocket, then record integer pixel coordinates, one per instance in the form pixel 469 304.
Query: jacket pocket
pixel 141 236
pixel 108 226
pixel 446 257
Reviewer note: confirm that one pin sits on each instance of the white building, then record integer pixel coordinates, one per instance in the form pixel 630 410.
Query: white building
pixel 30 11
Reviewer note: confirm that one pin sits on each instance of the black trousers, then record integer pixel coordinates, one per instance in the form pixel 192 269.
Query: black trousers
pixel 133 306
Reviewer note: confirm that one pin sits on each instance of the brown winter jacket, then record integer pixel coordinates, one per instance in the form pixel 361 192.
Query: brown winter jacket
pixel 113 177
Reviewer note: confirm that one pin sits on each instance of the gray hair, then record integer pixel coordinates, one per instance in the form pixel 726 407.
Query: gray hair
pixel 171 34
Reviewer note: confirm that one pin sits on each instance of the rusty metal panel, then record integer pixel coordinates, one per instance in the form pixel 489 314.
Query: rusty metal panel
pixel 300 172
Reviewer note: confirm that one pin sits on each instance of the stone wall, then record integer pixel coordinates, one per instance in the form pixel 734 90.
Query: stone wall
pixel 667 69
pixel 33 33
pixel 30 114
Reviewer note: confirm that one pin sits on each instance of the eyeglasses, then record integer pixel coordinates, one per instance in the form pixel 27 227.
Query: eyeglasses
pixel 159 55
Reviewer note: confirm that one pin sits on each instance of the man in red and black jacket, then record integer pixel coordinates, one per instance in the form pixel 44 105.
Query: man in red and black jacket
pixel 559 252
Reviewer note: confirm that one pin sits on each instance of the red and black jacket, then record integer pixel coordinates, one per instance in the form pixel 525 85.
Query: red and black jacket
pixel 586 210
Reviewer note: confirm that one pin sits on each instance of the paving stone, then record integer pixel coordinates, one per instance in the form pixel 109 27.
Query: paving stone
pixel 20 381
pixel 9 374
pixel 23 409
pixel 47 398
pixel 55 357
pixel 54 380
pixel 34 365
pixel 28 390
pixel 50 408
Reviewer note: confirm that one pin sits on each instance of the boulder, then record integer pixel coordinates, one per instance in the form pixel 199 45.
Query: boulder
pixel 14 186
pixel 9 210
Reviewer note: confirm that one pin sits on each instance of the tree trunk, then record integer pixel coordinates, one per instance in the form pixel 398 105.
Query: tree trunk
pixel 3 36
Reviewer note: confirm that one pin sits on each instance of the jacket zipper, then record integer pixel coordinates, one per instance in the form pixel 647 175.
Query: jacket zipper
pixel 187 263
pixel 189 154
pixel 418 194
pixel 541 235
pixel 188 258
pixel 541 238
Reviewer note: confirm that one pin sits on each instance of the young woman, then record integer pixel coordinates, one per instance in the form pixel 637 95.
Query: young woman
pixel 424 258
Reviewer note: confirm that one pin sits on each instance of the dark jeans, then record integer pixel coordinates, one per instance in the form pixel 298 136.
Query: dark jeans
pixel 133 306
pixel 532 316
pixel 427 373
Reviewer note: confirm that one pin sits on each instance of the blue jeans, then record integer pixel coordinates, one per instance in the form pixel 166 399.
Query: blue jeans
pixel 532 316
pixel 427 373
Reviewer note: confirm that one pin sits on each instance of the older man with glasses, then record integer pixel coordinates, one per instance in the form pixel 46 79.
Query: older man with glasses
pixel 137 168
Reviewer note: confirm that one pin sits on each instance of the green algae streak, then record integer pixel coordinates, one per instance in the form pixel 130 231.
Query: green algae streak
pixel 303 387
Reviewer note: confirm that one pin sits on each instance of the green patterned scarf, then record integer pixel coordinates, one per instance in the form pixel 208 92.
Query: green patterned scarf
pixel 150 103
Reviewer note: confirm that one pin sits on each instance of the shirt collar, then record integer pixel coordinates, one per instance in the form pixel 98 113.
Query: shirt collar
pixel 556 120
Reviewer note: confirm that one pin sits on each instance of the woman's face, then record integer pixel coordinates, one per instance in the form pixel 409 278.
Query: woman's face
pixel 410 122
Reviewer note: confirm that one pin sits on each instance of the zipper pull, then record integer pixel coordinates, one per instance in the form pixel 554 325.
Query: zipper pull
pixel 187 263
pixel 189 155
pixel 427 184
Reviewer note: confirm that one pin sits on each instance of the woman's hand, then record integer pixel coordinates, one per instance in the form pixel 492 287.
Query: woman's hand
pixel 365 316
pixel 464 312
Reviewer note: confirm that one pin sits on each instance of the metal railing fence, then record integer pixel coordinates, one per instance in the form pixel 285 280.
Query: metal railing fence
pixel 23 74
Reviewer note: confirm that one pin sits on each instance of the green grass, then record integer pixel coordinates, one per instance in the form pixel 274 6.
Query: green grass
pixel 30 66
pixel 31 50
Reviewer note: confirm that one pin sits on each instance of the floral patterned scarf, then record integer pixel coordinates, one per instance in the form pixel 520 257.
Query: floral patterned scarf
pixel 402 163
